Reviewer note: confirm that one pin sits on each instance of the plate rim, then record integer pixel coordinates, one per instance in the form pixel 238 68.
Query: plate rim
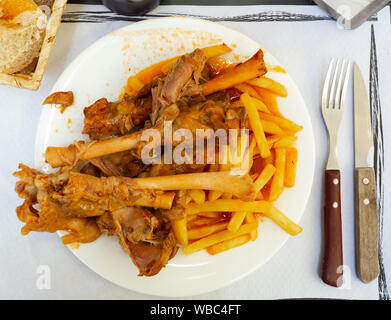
pixel 231 280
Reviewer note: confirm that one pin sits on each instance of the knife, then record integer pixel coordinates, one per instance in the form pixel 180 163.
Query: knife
pixel 366 213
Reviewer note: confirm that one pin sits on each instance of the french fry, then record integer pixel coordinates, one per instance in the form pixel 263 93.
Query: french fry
pixel 218 65
pixel 269 99
pixel 236 221
pixel 214 195
pixel 260 196
pixel 202 221
pixel 180 231
pixel 285 142
pixel 260 106
pixel 271 127
pixel 216 50
pixel 134 84
pixel 273 139
pixel 233 205
pixel 197 195
pixel 228 244
pixel 204 231
pixel 249 69
pixel 251 152
pixel 210 214
pixel 266 174
pixel 251 219
pixel 256 125
pixel 270 85
pixel 290 169
pixel 218 237
pixel 277 185
pixel 281 122
pixel 190 218
pixel 246 88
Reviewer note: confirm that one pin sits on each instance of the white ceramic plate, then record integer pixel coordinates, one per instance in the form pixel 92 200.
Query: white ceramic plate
pixel 102 71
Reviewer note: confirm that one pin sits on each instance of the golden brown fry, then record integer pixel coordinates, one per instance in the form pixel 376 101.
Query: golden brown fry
pixel 180 231
pixel 228 244
pixel 266 174
pixel 202 221
pixel 210 214
pixel 198 233
pixel 285 142
pixel 256 125
pixel 216 50
pixel 231 205
pixel 282 122
pixel 218 237
pixel 271 127
pixel 250 218
pixel 190 218
pixel 270 85
pixel 135 84
pixel 250 69
pixel 290 170
pixel 236 221
pixel 197 195
pixel 270 100
pixel 277 185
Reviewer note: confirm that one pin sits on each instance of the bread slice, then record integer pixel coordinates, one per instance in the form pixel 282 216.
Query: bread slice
pixel 22 30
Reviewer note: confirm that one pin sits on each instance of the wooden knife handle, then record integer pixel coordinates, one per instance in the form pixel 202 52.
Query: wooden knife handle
pixel 366 225
pixel 333 258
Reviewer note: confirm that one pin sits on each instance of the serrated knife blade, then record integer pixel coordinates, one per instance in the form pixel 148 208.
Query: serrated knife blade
pixel 363 137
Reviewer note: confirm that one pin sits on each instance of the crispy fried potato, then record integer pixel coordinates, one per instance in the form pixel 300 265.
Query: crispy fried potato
pixel 250 218
pixel 277 185
pixel 290 169
pixel 249 69
pixel 269 84
pixel 180 231
pixel 218 237
pixel 228 244
pixel 256 125
pixel 281 122
pixel 232 205
pixel 266 174
pixel 197 195
pixel 236 221
pixel 204 231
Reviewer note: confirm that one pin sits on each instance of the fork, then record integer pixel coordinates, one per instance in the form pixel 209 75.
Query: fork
pixel 333 101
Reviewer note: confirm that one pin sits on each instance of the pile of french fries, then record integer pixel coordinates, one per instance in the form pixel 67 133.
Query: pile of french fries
pixel 217 221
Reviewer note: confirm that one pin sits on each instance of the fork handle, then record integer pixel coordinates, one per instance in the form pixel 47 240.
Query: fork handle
pixel 333 258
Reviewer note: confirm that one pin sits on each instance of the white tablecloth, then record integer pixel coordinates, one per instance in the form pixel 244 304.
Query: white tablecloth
pixel 304 43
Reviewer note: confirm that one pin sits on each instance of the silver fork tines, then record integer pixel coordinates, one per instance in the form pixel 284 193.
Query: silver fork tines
pixel 333 101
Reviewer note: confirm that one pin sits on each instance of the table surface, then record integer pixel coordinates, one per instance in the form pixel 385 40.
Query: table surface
pixel 22 255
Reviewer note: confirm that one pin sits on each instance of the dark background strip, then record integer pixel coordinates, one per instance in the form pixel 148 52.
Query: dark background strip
pixel 215 3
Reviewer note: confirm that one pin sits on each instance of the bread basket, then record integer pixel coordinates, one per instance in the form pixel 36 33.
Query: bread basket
pixel 32 81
